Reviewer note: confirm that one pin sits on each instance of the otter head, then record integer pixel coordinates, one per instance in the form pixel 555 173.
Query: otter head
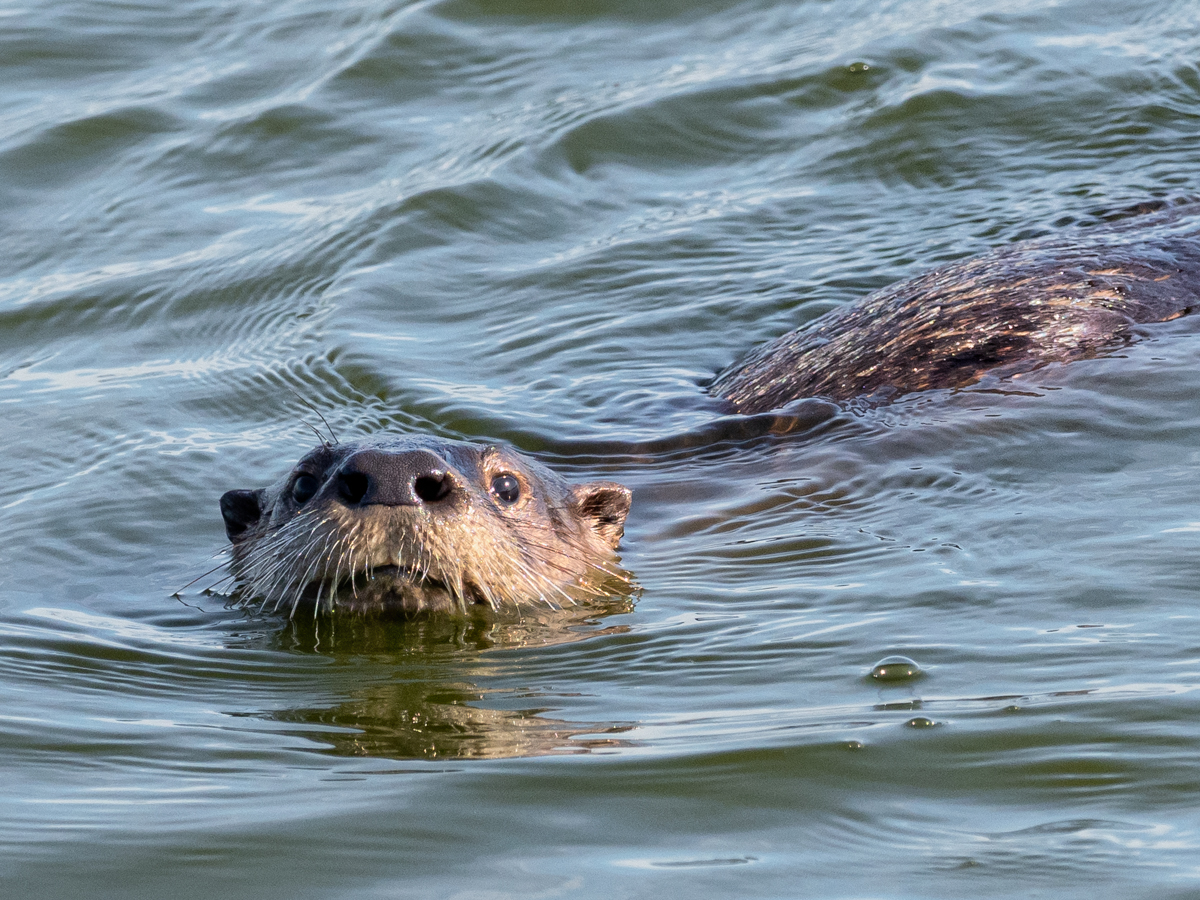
pixel 406 524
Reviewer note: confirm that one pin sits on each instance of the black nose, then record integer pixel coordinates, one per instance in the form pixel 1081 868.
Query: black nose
pixel 406 478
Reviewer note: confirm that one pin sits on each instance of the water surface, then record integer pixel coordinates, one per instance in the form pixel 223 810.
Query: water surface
pixel 551 224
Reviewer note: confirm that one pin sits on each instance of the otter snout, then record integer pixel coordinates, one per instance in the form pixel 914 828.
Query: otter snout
pixel 371 477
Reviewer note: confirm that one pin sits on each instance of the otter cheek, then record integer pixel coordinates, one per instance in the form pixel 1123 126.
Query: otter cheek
pixel 240 510
pixel 603 506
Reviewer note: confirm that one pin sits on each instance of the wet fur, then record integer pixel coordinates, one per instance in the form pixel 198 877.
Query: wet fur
pixel 1055 299
pixel 554 546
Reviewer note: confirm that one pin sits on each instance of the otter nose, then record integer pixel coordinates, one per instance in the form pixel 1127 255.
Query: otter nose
pixel 406 478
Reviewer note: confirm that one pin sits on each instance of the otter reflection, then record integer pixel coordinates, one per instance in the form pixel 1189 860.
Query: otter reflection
pixel 433 697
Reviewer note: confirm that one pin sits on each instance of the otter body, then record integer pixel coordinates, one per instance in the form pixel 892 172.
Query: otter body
pixel 1053 299
pixel 414 524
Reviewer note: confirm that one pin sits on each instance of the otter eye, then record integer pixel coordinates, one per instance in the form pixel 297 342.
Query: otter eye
pixel 304 487
pixel 507 488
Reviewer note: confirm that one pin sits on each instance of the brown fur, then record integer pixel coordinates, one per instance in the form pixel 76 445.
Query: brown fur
pixel 415 524
pixel 1053 299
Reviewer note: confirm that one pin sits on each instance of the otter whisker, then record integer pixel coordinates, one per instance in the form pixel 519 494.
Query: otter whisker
pixel 275 563
pixel 343 545
pixel 318 561
pixel 325 421
pixel 215 568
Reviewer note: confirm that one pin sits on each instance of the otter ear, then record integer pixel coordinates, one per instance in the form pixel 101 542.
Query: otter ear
pixel 240 510
pixel 603 505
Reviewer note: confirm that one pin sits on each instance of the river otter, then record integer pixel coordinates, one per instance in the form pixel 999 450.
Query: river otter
pixel 414 524
pixel 408 524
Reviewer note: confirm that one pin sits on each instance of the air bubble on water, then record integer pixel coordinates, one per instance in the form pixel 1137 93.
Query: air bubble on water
pixel 896 668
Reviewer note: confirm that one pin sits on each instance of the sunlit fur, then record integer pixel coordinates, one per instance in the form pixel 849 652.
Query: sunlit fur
pixel 1073 295
pixel 553 547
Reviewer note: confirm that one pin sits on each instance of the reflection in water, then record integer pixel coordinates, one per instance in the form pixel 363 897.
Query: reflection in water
pixel 427 710
pixel 419 720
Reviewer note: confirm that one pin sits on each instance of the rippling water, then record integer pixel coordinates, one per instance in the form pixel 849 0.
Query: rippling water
pixel 550 223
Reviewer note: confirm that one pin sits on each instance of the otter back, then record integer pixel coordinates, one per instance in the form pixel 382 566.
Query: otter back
pixel 1052 299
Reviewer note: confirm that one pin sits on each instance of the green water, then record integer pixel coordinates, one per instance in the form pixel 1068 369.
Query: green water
pixel 551 223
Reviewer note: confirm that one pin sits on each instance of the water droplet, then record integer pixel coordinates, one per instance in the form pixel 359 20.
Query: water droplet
pixel 895 668
pixel 920 722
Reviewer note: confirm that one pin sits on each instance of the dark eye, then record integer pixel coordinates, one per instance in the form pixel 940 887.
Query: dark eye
pixel 304 487
pixel 507 488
